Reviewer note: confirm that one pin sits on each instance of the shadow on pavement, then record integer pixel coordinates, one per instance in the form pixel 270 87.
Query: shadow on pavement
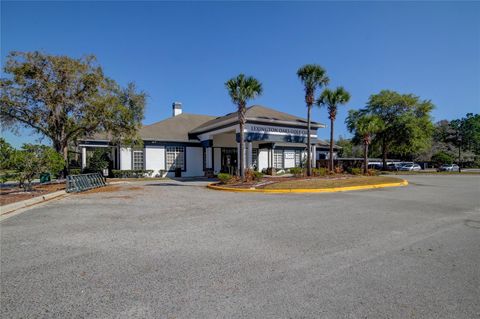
pixel 166 184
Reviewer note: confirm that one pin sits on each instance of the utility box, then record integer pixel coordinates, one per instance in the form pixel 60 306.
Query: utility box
pixel 178 172
pixel 45 178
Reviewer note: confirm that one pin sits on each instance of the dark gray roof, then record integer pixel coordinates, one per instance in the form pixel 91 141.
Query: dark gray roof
pixel 174 128
pixel 177 128
pixel 255 112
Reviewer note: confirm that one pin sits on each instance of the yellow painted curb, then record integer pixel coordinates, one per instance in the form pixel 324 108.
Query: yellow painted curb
pixel 305 190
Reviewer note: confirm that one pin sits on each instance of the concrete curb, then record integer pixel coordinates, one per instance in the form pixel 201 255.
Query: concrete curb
pixel 10 208
pixel 306 190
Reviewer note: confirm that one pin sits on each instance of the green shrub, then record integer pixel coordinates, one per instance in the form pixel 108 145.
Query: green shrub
pixel 224 178
pixel 74 171
pixel 441 158
pixel 6 154
pixel 7 176
pixel 98 161
pixel 130 173
pixel 257 175
pixel 296 171
pixel 322 171
pixel 354 171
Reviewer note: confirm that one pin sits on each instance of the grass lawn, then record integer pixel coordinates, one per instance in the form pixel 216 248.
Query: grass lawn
pixel 332 183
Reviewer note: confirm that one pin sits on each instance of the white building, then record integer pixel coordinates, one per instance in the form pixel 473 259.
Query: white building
pixel 197 143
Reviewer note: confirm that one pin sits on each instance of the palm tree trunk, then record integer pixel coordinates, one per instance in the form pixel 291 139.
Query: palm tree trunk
pixel 241 156
pixel 241 148
pixel 384 153
pixel 309 147
pixel 330 155
pixel 365 158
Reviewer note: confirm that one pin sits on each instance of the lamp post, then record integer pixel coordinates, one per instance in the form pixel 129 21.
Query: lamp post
pixel 459 141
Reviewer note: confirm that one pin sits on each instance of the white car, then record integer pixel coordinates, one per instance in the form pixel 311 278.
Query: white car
pixel 410 167
pixel 449 168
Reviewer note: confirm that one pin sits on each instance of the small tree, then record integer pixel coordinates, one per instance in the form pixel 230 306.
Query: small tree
pixel 98 161
pixel 441 158
pixel 34 159
pixel 364 127
pixel 313 77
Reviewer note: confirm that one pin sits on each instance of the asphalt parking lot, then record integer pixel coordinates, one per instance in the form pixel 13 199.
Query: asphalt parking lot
pixel 179 250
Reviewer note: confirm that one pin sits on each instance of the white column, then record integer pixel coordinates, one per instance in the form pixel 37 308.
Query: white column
pixel 208 158
pixel 314 156
pixel 84 157
pixel 249 158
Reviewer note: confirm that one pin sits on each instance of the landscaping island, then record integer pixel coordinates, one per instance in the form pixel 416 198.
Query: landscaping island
pixel 289 184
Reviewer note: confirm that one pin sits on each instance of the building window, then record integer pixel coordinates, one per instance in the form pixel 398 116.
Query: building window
pixel 137 160
pixel 175 157
pixel 278 159
pixel 298 158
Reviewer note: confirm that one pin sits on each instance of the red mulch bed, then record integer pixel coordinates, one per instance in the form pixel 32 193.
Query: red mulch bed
pixel 12 195
pixel 270 180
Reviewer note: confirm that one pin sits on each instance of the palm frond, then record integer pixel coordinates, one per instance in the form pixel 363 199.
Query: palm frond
pixel 243 88
pixel 312 76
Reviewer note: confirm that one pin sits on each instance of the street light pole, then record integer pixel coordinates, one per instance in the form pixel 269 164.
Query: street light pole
pixel 459 141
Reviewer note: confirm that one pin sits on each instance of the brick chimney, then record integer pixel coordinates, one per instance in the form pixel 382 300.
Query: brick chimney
pixel 176 108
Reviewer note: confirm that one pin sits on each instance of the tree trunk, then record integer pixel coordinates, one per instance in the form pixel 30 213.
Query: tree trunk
pixel 384 153
pixel 459 158
pixel 242 146
pixel 241 158
pixel 62 149
pixel 65 159
pixel 330 155
pixel 309 146
pixel 365 158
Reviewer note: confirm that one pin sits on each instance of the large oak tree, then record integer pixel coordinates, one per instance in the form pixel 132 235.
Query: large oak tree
pixel 406 123
pixel 66 99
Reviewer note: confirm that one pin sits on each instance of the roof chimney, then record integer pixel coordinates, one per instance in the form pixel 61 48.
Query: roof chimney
pixel 176 108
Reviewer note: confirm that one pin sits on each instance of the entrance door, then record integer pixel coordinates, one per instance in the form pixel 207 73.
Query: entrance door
pixel 229 160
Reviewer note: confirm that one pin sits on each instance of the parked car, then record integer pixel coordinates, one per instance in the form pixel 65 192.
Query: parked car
pixel 394 166
pixel 449 168
pixel 410 167
pixel 377 167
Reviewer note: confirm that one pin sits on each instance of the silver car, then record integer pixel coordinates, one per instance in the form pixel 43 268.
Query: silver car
pixel 449 168
pixel 410 167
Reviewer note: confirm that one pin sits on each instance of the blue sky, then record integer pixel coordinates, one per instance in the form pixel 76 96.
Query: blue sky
pixel 186 51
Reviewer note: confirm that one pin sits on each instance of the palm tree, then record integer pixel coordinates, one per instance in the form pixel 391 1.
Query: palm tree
pixel 332 99
pixel 364 126
pixel 313 76
pixel 241 89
